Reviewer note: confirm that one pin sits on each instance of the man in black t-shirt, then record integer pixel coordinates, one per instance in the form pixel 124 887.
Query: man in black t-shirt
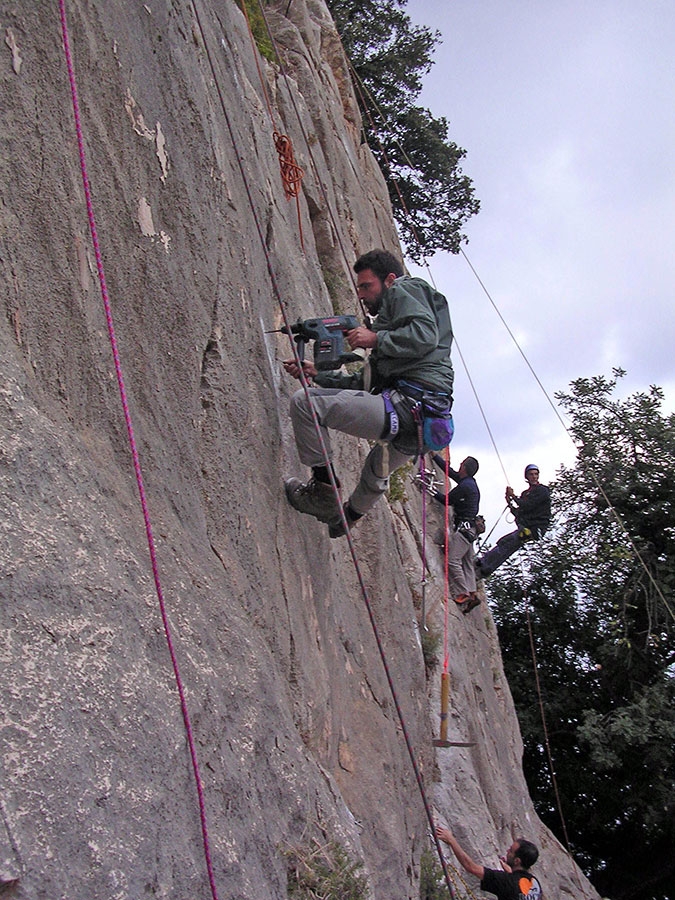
pixel 515 882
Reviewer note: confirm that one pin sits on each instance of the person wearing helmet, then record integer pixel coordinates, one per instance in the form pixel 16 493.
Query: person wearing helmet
pixel 532 512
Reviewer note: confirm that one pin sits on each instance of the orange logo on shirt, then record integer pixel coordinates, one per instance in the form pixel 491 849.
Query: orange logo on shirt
pixel 525 885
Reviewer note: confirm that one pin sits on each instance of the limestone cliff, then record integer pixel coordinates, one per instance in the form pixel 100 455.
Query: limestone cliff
pixel 293 722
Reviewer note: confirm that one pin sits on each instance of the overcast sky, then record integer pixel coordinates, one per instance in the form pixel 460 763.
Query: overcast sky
pixel 567 113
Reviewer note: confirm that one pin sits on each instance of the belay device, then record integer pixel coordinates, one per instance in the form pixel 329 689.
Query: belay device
pixel 329 340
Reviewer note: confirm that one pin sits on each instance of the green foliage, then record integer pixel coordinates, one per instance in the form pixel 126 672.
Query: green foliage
pixel 430 196
pixel 427 181
pixel 251 9
pixel 431 644
pixel 324 872
pixel 432 880
pixel 600 601
pixel 397 483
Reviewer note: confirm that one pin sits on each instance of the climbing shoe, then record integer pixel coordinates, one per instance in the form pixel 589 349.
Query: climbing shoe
pixel 336 529
pixel 471 603
pixel 313 498
pixel 462 599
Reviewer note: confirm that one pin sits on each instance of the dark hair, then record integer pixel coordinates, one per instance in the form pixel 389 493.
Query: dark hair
pixel 527 852
pixel 471 465
pixel 381 262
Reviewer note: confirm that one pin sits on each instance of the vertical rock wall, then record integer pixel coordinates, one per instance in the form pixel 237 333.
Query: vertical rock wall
pixel 293 721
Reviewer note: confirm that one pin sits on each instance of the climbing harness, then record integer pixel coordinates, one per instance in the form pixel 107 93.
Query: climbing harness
pixel 433 423
pixel 392 425
pixel 431 410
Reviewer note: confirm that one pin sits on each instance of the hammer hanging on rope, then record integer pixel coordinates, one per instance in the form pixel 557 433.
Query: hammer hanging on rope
pixel 445 704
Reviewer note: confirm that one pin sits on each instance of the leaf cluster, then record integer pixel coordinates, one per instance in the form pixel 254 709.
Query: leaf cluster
pixel 432 880
pixel 599 605
pixel 256 20
pixel 431 198
pixel 324 872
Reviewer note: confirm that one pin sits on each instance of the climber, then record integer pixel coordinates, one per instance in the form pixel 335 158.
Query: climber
pixel 532 511
pixel 409 364
pixel 515 882
pixel 464 500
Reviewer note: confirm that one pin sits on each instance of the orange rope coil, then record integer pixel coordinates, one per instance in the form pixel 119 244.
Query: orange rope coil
pixel 291 173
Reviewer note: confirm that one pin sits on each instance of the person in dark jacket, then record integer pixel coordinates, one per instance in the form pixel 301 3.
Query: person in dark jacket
pixel 515 882
pixel 532 511
pixel 409 341
pixel 464 500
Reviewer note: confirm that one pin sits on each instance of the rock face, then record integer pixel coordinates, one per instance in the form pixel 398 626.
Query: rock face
pixel 294 727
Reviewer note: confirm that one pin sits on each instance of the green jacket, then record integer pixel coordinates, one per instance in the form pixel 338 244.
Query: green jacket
pixel 414 337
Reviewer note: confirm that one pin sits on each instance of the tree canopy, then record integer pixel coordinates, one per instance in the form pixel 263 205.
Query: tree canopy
pixel 431 197
pixel 599 598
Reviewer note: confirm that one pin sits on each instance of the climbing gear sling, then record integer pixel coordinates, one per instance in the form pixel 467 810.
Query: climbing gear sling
pixel 432 411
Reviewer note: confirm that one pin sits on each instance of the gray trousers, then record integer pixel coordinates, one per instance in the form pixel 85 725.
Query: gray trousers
pixel 461 572
pixel 353 412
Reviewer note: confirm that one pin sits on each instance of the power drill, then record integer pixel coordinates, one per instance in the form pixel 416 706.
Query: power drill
pixel 328 336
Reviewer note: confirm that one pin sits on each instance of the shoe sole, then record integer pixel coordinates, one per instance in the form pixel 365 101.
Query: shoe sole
pixel 290 488
pixel 468 605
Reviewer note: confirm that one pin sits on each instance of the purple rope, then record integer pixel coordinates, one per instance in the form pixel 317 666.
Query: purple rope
pixel 424 524
pixel 132 444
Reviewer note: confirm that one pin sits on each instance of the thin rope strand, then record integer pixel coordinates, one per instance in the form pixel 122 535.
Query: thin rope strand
pixel 599 486
pixel 638 555
pixel 310 152
pixel 482 412
pixel 352 550
pixel 542 714
pixel 291 173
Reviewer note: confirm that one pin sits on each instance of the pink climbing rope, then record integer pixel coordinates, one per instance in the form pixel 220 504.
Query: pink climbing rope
pixel 132 444
pixel 446 580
